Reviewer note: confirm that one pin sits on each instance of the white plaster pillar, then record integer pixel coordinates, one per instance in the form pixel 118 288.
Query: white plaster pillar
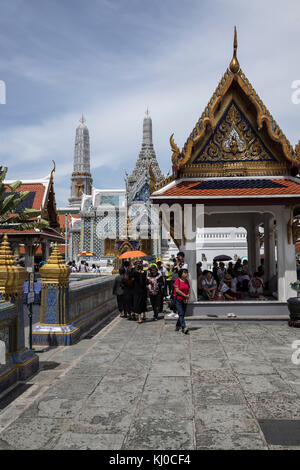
pixel 251 247
pixel 190 250
pixel 257 260
pixel 269 247
pixel 286 258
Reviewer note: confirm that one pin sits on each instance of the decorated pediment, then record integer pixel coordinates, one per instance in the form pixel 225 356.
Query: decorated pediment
pixel 234 140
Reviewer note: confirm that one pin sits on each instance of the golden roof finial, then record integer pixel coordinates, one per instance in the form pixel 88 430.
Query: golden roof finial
pixel 147 112
pixel 55 271
pixel 82 120
pixel 12 277
pixel 234 64
pixel 6 258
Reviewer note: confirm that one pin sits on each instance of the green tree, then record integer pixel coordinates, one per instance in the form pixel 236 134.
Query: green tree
pixel 18 219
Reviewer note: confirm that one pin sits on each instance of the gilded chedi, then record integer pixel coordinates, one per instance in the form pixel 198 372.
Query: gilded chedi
pixel 55 271
pixel 12 277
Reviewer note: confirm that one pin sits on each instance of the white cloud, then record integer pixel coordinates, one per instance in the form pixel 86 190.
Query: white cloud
pixel 176 81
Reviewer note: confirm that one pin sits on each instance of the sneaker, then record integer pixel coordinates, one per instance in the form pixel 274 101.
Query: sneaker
pixel 177 328
pixel 186 331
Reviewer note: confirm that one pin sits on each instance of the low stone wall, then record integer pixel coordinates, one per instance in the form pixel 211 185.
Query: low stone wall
pixel 87 302
pixel 20 362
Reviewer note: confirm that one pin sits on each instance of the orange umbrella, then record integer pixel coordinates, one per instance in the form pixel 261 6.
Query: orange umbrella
pixel 133 254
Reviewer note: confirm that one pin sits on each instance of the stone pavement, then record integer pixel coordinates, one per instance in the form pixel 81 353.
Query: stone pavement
pixel 147 387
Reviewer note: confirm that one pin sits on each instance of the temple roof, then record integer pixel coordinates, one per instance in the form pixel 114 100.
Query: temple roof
pixel 41 198
pixel 236 135
pixel 227 188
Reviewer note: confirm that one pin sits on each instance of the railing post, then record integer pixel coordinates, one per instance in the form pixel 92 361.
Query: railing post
pixel 54 328
pixel 12 278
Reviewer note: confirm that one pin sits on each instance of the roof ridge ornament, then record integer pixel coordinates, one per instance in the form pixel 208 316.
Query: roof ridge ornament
pixel 234 64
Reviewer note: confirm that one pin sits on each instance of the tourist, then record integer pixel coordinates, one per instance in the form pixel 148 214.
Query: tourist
pixel 162 270
pixel 155 286
pixel 139 291
pixel 298 269
pixel 200 279
pixel 221 272
pixel 209 286
pixel 243 279
pixel 118 290
pixel 199 269
pixel 127 285
pixel 215 271
pixel 178 265
pixel 230 269
pixel 256 285
pixel 245 266
pixel 181 294
pixel 169 280
pixel 226 290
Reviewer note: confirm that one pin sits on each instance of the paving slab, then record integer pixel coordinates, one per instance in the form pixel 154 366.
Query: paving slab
pixel 136 387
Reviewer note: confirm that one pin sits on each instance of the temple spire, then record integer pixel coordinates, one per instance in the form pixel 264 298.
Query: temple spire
pixel 147 130
pixel 81 181
pixel 234 64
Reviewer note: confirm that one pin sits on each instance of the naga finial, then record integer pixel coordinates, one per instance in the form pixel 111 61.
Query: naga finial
pixel 175 149
pixel 54 168
pixel 234 64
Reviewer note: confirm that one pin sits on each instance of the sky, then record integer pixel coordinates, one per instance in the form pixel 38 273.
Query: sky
pixel 111 59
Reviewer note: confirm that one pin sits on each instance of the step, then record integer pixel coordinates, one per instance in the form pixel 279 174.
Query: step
pixel 200 319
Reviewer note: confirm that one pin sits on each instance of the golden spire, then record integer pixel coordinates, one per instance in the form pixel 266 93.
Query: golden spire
pixel 12 277
pixel 55 271
pixel 82 120
pixel 6 258
pixel 234 64
pixel 147 112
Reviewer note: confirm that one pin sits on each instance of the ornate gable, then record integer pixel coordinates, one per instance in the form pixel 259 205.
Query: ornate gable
pixel 235 135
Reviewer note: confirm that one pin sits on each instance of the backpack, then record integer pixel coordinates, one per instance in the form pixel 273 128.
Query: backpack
pixel 153 286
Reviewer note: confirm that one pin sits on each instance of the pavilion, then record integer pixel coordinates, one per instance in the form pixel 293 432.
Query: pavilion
pixel 30 242
pixel 240 167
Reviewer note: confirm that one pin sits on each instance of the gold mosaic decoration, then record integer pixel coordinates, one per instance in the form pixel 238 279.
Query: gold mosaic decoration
pixel 234 140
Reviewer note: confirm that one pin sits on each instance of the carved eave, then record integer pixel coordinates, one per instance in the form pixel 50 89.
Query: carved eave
pixel 49 211
pixel 234 87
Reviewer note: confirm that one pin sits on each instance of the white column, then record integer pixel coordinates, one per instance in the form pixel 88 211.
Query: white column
pixel 190 251
pixel 256 246
pixel 251 247
pixel 286 258
pixel 269 246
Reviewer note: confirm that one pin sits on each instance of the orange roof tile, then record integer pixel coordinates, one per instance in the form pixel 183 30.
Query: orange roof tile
pixel 38 189
pixel 232 187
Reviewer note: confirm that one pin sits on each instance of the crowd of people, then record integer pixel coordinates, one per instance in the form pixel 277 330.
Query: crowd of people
pixel 230 283
pixel 140 281
pixel 83 267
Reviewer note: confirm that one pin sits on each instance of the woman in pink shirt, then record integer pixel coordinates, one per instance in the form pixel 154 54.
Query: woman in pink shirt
pixel 181 295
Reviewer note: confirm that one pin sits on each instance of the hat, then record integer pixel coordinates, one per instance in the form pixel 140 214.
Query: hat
pixel 227 277
pixel 158 260
pixel 153 265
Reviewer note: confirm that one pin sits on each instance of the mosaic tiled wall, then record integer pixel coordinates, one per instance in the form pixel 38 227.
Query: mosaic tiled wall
pixel 86 234
pixel 75 244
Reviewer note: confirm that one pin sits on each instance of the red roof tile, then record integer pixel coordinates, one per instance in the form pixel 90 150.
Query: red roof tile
pixel 38 188
pixel 185 188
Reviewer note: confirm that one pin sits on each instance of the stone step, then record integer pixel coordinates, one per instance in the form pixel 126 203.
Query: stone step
pixel 200 319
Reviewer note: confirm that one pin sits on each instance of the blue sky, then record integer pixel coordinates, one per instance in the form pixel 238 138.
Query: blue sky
pixel 110 59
